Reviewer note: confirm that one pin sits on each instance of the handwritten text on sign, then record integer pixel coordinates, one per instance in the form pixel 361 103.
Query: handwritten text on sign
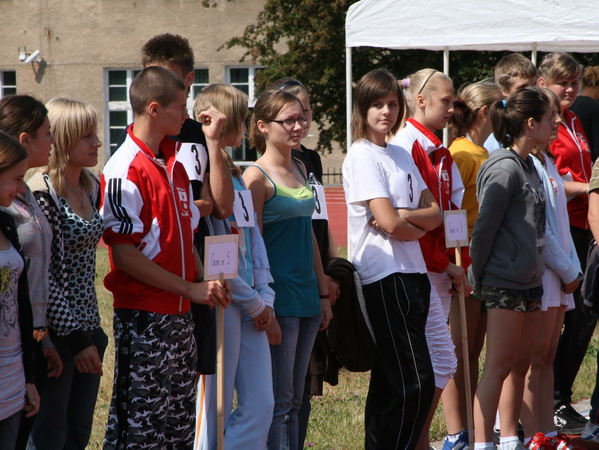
pixel 456 228
pixel 220 256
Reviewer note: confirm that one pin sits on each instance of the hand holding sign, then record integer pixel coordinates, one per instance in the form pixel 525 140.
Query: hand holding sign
pixel 456 228
pixel 211 294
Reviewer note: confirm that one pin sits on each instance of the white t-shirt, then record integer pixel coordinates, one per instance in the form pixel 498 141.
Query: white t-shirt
pixel 491 144
pixel 369 172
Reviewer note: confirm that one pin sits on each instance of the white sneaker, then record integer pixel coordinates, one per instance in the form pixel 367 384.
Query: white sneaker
pixel 591 432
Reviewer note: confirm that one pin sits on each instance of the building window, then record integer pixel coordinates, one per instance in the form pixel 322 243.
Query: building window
pixel 118 111
pixel 8 83
pixel 244 79
pixel 200 81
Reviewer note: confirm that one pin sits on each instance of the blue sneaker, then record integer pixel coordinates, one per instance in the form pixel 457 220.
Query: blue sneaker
pixel 457 441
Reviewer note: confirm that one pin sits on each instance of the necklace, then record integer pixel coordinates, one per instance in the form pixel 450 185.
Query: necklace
pixel 77 196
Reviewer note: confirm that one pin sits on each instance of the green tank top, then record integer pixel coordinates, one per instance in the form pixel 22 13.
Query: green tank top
pixel 287 230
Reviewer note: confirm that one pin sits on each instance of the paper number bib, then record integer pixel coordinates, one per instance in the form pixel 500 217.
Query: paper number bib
pixel 243 208
pixel 320 209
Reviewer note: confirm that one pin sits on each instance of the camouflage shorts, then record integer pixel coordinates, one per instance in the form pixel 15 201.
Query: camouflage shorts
pixel 525 300
pixel 153 397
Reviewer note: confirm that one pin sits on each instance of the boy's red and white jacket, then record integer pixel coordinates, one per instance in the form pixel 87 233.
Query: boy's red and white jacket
pixel 149 204
pixel 442 178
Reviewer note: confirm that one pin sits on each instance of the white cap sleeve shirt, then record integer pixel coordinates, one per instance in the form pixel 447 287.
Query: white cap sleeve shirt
pixel 369 172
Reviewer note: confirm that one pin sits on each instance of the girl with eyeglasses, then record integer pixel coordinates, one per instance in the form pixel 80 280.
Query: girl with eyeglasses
pixel 326 244
pixel 284 205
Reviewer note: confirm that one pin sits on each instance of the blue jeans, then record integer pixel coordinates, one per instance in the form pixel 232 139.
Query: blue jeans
pixel 290 362
pixel 67 403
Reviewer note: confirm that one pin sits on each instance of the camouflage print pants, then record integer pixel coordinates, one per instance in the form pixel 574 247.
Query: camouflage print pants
pixel 153 397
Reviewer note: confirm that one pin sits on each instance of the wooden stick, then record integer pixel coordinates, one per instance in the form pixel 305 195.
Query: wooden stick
pixel 220 373
pixel 465 354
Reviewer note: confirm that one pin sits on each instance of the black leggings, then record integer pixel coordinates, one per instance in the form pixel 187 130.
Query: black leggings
pixel 402 383
pixel 577 332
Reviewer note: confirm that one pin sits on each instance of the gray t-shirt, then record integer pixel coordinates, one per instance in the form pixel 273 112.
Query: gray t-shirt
pixel 12 373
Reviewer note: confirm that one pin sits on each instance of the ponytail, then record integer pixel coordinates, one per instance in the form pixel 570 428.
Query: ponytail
pixel 508 116
pixel 471 98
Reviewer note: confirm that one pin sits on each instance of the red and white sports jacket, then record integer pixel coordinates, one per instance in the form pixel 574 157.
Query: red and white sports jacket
pixel 573 161
pixel 442 178
pixel 149 204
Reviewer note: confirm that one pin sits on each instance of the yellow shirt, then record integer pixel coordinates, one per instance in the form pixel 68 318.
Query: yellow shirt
pixel 469 157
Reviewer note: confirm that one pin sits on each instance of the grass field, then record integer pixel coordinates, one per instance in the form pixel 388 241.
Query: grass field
pixel 337 420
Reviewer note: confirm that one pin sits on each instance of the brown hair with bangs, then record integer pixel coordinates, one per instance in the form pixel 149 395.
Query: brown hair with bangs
pixel 376 84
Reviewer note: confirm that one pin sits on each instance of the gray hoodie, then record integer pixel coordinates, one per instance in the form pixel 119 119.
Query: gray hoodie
pixel 508 239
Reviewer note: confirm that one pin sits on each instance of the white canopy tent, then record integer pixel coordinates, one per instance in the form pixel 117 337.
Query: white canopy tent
pixel 537 25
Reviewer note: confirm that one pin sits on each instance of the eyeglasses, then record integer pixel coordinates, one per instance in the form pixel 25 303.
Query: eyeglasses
pixel 290 123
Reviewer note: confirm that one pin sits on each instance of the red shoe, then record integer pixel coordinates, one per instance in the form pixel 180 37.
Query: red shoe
pixel 563 442
pixel 541 442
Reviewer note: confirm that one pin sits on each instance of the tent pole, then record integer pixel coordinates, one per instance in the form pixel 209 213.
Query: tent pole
pixel 348 92
pixel 533 56
pixel 446 72
pixel 348 108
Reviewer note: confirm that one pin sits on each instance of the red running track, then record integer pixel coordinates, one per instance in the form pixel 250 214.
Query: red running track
pixel 337 210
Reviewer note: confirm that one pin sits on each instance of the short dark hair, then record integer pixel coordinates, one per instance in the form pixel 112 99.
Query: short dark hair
pixel 21 114
pixel 168 48
pixel 157 84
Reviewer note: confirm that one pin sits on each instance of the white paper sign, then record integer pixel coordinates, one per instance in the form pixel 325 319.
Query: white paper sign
pixel 220 256
pixel 456 228
pixel 320 210
pixel 243 208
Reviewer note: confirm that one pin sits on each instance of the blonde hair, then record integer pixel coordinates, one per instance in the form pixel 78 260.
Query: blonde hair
pixel 376 84
pixel 425 82
pixel 228 100
pixel 559 67
pixel 70 120
pixel 233 104
pixel 590 77
pixel 514 65
pixel 471 98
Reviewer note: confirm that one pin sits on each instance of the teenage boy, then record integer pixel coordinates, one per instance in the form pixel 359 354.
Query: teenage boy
pixel 512 72
pixel 148 225
pixel 210 180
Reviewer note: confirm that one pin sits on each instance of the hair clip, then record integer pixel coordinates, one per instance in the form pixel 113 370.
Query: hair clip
pixel 504 103
pixel 405 83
